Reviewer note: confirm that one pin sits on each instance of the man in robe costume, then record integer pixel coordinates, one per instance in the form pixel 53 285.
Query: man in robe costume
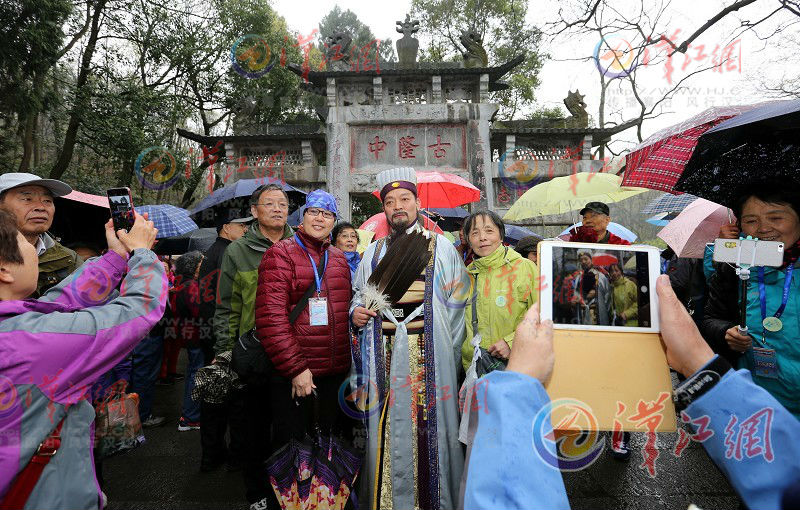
pixel 411 354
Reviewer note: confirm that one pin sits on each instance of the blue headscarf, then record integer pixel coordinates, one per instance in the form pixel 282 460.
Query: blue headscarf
pixel 321 200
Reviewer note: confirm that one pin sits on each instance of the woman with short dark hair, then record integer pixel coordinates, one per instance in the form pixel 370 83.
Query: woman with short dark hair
pixel 346 238
pixel 769 211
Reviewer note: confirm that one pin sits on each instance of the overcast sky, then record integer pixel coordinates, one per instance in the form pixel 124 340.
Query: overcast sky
pixel 741 85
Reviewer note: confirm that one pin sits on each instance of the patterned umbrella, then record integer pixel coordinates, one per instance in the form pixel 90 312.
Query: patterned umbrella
pixel 657 163
pixel 316 473
pixel 668 202
pixel 697 225
pixel 662 219
pixel 168 219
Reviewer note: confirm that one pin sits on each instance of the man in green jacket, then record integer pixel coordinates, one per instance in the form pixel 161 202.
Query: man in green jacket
pixel 30 199
pixel 234 316
pixel 238 277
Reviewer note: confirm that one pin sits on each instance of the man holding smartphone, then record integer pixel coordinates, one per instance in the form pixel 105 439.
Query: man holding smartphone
pixel 29 198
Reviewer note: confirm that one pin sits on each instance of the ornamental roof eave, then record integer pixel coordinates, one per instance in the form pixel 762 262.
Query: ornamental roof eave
pixel 320 78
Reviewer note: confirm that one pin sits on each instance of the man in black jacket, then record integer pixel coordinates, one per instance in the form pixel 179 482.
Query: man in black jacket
pixel 214 418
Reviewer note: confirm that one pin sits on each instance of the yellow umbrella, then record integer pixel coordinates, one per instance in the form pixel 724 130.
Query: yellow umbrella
pixel 364 238
pixel 569 193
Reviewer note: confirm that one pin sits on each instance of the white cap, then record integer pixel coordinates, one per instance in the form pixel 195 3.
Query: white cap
pixel 403 173
pixel 17 179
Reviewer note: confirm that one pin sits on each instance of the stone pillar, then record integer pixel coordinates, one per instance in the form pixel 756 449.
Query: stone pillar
pixel 308 153
pixel 377 90
pixel 331 91
pixel 483 93
pixel 436 89
pixel 511 144
pixel 338 169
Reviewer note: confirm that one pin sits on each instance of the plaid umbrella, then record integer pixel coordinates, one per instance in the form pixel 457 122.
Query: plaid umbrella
pixel 657 163
pixel 168 219
pixel 667 203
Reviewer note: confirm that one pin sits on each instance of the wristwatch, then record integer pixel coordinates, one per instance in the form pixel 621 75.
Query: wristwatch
pixel 700 383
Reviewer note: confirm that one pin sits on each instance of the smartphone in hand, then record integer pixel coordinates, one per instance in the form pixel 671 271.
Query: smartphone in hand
pixel 121 204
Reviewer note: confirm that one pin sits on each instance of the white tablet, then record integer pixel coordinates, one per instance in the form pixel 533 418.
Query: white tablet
pixel 601 287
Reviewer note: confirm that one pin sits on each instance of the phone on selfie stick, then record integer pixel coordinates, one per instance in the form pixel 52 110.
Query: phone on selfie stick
pixel 121 204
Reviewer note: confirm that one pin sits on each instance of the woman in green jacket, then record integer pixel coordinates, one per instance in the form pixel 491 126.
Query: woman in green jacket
pixel 625 301
pixel 504 286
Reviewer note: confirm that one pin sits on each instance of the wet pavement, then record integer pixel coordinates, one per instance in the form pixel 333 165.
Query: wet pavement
pixel 164 474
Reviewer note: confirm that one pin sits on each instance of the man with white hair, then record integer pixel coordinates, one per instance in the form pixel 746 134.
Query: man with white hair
pixel 411 356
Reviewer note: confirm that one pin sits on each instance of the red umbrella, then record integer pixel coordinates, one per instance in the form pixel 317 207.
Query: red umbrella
pixel 657 163
pixel 380 225
pixel 604 259
pixel 437 189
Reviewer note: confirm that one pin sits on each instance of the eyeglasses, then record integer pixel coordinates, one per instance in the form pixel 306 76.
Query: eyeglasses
pixel 313 211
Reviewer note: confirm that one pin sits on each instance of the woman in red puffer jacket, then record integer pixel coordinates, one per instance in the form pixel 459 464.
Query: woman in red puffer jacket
pixel 312 354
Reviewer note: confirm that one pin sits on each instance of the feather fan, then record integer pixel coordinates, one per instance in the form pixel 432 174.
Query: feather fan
pixel 403 262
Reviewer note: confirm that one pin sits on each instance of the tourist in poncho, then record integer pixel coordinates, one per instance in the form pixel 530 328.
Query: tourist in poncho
pixel 411 356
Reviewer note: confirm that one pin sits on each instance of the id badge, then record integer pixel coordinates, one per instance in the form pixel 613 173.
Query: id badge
pixel 765 362
pixel 319 311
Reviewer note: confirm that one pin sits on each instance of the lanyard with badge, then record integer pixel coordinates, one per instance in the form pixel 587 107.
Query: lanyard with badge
pixel 765 361
pixel 318 306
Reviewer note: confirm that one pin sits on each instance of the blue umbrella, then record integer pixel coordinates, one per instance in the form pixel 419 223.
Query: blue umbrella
pixel 661 219
pixel 514 233
pixel 295 218
pixel 168 219
pixel 669 203
pixel 241 188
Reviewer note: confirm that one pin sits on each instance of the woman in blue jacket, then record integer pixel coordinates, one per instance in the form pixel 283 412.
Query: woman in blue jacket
pixel 771 350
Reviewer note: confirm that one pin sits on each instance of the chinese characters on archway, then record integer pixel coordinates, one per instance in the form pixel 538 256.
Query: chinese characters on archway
pixel 417 146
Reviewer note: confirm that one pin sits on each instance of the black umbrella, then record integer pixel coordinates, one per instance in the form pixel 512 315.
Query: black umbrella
pixel 777 119
pixel 200 239
pixel 732 174
pixel 759 145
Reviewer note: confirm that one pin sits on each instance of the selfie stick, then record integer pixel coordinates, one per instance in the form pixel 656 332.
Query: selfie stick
pixel 743 272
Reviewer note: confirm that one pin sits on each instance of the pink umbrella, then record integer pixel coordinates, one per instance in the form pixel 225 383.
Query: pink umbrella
pixel 380 225
pixel 86 198
pixel 695 226
pixel 437 189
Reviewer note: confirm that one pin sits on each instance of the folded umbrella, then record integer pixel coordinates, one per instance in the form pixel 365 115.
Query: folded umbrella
pixel 697 225
pixel 569 193
pixel 169 220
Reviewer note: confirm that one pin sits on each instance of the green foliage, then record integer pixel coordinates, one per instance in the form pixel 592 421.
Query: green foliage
pixel 347 21
pixel 501 25
pixel 364 206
